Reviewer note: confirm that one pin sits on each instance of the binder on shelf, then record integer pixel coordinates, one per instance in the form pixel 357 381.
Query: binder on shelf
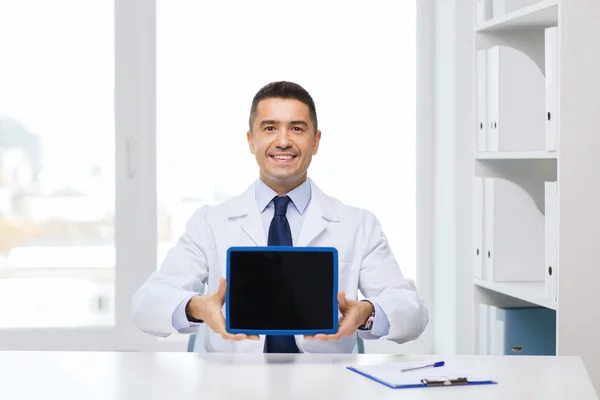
pixel 528 331
pixel 482 329
pixel 551 79
pixel 515 101
pixel 513 229
pixel 484 10
pixel 488 228
pixel 495 332
pixel 501 7
pixel 498 8
pixel 551 238
pixel 419 375
pixel 482 121
pixel 478 228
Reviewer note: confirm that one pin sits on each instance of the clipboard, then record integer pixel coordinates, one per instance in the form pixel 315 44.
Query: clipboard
pixel 411 376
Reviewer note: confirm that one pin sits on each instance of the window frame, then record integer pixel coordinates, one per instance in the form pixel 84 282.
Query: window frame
pixel 136 189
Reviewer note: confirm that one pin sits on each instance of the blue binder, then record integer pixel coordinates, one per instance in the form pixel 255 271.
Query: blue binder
pixel 528 331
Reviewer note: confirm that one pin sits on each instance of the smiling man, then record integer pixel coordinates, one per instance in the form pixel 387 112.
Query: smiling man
pixel 282 207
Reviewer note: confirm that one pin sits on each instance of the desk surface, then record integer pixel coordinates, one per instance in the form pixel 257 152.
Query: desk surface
pixel 182 376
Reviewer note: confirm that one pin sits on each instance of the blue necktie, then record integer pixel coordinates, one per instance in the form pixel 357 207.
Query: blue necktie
pixel 280 235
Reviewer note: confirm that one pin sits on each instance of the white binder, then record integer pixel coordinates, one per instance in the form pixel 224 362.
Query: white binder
pixel 482 121
pixel 478 228
pixel 495 332
pixel 551 61
pixel 498 8
pixel 501 7
pixel 484 10
pixel 488 228
pixel 482 330
pixel 551 238
pixel 515 101
pixel 513 234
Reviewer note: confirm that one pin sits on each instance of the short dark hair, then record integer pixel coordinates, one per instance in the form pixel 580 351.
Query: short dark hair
pixel 284 90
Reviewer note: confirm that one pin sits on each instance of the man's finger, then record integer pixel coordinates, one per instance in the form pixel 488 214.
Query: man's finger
pixel 319 336
pixel 238 336
pixel 222 330
pixel 342 302
pixel 346 328
pixel 222 291
pixel 217 324
pixel 233 336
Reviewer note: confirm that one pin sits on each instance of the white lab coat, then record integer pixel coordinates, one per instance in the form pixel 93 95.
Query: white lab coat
pixel 366 263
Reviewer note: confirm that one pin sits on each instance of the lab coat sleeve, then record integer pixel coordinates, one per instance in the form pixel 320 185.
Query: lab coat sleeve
pixel 382 282
pixel 381 324
pixel 180 321
pixel 158 303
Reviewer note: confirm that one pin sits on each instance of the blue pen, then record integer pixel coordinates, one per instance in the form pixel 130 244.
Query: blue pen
pixel 434 365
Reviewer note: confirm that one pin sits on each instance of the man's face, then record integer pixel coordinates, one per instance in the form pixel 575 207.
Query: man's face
pixel 283 141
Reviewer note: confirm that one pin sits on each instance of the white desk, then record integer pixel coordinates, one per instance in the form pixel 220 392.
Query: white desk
pixel 182 376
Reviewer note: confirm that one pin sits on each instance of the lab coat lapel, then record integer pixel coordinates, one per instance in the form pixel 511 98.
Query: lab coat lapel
pixel 319 212
pixel 244 209
pixel 312 226
pixel 253 227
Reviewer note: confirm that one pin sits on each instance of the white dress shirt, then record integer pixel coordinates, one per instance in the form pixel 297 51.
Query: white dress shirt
pixel 300 197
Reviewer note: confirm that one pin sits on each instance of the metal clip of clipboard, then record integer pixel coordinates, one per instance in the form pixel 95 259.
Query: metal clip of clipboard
pixel 445 382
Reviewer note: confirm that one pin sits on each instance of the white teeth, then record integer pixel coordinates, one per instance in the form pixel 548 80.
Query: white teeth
pixel 283 157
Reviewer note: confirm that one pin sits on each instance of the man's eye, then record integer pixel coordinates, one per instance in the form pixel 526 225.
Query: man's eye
pixel 269 128
pixel 297 129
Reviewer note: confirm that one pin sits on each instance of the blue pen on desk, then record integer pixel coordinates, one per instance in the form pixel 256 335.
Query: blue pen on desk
pixel 434 365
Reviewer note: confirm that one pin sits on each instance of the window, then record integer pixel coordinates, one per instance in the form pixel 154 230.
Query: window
pixel 358 63
pixel 57 252
pixel 77 140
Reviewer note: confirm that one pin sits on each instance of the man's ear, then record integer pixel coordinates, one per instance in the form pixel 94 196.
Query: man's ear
pixel 317 141
pixel 250 141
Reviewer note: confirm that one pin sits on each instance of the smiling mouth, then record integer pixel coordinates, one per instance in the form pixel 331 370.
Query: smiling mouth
pixel 283 158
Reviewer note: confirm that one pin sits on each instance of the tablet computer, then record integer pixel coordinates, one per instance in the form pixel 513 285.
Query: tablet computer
pixel 280 290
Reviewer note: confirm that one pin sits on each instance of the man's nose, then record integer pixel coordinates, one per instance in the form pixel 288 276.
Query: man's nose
pixel 283 139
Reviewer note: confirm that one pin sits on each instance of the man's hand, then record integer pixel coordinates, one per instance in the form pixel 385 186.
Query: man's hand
pixel 354 314
pixel 208 309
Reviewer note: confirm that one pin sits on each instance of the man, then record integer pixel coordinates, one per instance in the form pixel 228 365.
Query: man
pixel 282 207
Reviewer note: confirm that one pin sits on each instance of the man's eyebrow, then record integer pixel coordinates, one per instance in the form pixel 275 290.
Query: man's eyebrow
pixel 299 122
pixel 273 122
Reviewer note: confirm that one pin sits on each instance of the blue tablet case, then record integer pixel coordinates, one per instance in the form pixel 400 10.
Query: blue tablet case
pixel 334 291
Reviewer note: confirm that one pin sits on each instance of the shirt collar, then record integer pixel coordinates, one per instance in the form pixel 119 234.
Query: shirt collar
pixel 300 195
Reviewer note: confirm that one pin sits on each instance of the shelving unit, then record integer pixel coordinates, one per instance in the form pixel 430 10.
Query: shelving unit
pixel 537 16
pixel 532 293
pixel 516 155
pixel 537 144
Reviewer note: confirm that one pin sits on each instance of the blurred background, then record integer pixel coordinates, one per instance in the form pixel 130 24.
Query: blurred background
pixel 57 132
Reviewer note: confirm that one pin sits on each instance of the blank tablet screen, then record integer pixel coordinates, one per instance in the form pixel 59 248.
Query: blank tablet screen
pixel 276 290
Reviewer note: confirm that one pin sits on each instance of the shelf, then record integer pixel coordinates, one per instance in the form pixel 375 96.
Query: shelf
pixel 516 155
pixel 529 292
pixel 520 167
pixel 537 16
